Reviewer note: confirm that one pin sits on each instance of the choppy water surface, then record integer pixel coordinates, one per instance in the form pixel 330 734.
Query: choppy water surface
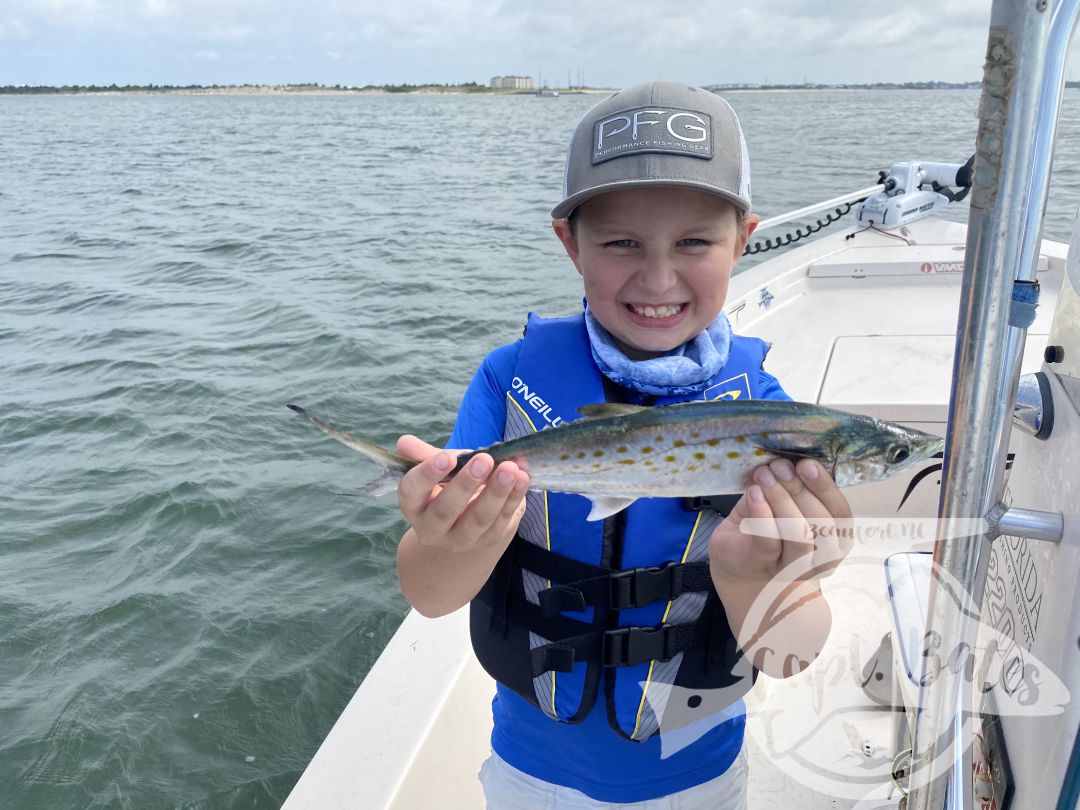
pixel 185 603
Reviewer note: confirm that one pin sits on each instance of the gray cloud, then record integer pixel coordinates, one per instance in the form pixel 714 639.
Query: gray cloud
pixel 612 43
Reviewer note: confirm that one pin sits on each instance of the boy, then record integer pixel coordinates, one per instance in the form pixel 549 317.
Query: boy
pixel 607 637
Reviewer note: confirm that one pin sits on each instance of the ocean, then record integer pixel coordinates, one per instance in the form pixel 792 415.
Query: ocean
pixel 186 600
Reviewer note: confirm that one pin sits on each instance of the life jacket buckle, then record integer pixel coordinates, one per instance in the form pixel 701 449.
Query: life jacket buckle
pixel 719 503
pixel 558 598
pixel 640 586
pixel 628 646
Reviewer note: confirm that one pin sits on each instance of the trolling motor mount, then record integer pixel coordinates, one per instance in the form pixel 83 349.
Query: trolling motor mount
pixel 904 199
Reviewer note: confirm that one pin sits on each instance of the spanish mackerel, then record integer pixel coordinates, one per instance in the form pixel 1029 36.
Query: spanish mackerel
pixel 619 453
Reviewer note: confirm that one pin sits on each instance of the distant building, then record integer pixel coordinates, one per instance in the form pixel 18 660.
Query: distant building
pixel 512 83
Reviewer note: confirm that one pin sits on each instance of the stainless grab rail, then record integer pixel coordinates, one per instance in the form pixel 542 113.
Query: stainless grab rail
pixel 1023 82
pixel 799 213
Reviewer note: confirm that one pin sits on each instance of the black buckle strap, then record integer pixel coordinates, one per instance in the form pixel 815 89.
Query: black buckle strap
pixel 631 588
pixel 584 584
pixel 639 586
pixel 636 645
pixel 559 598
pixel 719 503
pixel 552 565
pixel 622 647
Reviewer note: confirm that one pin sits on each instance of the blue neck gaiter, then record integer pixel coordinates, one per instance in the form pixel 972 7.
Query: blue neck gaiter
pixel 685 369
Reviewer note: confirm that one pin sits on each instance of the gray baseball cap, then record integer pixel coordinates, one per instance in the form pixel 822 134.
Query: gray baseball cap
pixel 657 134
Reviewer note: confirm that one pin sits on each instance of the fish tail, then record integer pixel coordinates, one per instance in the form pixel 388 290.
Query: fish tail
pixel 393 465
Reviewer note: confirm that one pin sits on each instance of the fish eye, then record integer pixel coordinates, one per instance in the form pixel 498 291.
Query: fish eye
pixel 897 454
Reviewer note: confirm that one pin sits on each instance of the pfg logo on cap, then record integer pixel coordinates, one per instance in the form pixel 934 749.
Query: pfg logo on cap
pixel 667 130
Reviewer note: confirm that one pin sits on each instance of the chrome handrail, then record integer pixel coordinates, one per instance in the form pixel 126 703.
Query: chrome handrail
pixel 1023 82
pixel 799 213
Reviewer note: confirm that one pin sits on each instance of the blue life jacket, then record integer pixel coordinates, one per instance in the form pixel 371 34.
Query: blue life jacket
pixel 623 607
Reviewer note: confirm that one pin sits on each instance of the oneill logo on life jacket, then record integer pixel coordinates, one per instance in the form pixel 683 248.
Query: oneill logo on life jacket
pixel 644 129
pixel 537 403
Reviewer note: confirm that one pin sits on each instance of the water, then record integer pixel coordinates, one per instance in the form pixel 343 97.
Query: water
pixel 186 604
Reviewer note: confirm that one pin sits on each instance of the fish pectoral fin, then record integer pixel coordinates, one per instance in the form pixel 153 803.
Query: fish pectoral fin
pixel 383 485
pixel 605 506
pixel 610 409
pixel 782 446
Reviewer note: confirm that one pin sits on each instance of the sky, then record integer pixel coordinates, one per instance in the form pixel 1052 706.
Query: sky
pixel 609 43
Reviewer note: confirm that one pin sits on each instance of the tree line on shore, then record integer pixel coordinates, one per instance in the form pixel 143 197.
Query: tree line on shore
pixel 26 89
pixel 467 87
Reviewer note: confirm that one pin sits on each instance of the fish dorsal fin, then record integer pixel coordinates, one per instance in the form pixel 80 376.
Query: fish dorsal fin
pixel 604 506
pixel 609 409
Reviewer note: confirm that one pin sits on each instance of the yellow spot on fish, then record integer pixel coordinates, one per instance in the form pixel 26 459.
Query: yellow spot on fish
pixel 740 439
pixel 646 449
pixel 672 459
pixel 678 443
pixel 564 457
pixel 659 439
pixel 733 454
pixel 627 461
pixel 598 453
pixel 761 451
pixel 695 435
pixel 596 466
pixel 712 442
pixel 716 466
pixel 648 463
pixel 699 456
pixel 692 468
pixel 622 449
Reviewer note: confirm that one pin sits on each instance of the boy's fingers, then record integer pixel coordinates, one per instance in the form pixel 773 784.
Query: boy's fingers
pixel 767 544
pixel 415 449
pixel 818 481
pixel 414 489
pixel 814 520
pixel 505 524
pixel 789 517
pixel 485 510
pixel 445 509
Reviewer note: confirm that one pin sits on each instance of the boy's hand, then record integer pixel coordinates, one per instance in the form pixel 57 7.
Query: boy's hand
pixel 797 513
pixel 478 508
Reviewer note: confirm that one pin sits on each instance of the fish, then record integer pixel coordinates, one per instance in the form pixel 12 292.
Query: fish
pixel 618 453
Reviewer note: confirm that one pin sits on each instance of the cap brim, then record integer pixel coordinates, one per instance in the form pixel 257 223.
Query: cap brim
pixel 567 206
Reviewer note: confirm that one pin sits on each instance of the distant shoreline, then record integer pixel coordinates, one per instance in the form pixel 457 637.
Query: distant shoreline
pixel 438 89
pixel 284 90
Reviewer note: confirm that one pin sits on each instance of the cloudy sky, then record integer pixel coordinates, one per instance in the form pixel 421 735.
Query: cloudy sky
pixel 608 42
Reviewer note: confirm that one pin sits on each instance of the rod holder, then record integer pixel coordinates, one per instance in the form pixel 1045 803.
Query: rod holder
pixel 1030 524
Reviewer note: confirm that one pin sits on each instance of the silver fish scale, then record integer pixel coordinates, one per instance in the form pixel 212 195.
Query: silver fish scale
pixel 650 464
pixel 704 448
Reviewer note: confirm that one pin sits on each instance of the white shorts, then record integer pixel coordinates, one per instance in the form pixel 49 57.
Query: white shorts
pixel 507 788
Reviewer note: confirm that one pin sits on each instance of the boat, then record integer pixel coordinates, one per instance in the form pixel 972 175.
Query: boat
pixel 918 320
pixel 543 90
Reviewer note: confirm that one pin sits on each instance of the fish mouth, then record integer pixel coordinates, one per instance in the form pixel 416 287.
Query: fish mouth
pixel 657 314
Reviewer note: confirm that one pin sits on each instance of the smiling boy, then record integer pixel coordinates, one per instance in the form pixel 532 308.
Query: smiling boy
pixel 606 636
